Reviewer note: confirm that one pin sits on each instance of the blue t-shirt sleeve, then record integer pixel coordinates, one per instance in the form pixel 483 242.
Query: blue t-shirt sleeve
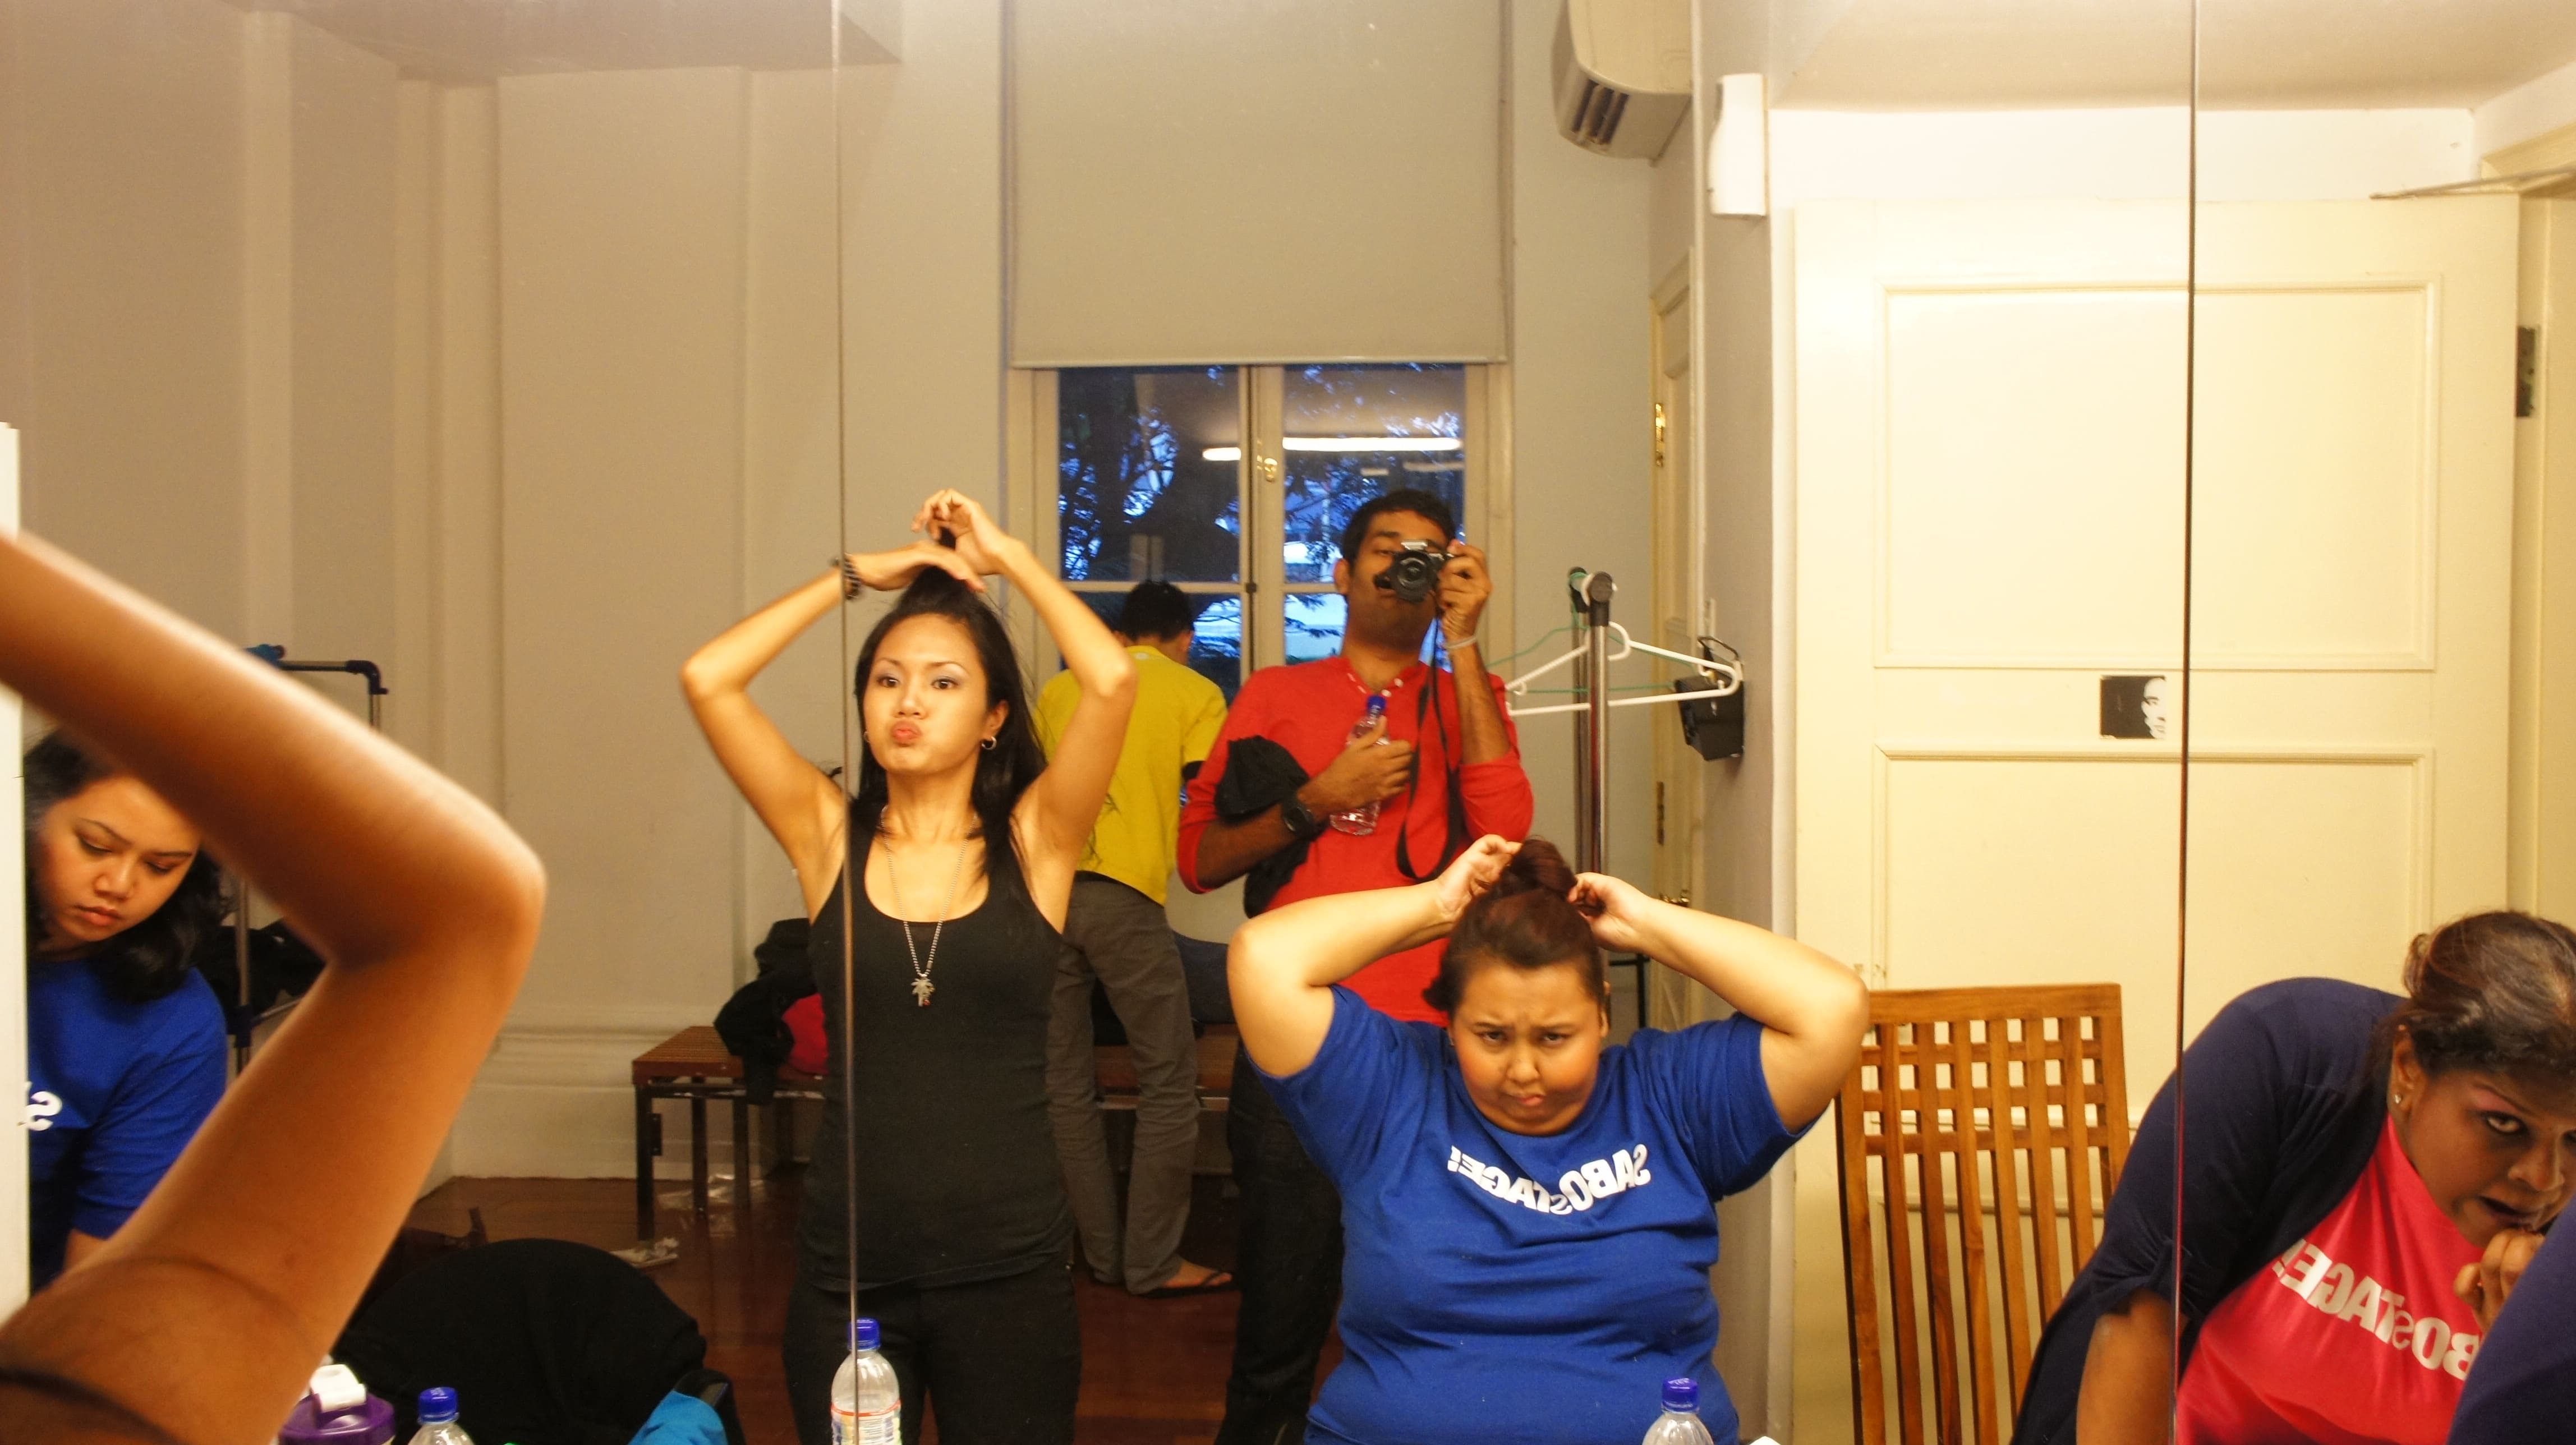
pixel 1372 1076
pixel 1710 1081
pixel 155 1111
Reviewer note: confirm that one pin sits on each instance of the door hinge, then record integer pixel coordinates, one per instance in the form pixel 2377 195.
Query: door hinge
pixel 2526 368
pixel 1660 425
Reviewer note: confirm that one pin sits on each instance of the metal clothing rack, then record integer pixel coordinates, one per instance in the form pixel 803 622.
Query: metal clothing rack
pixel 237 888
pixel 1590 594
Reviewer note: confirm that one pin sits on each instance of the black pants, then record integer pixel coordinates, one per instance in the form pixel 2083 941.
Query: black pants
pixel 1290 1261
pixel 1000 1360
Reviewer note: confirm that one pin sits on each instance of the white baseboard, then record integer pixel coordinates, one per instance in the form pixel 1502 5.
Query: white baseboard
pixel 554 1102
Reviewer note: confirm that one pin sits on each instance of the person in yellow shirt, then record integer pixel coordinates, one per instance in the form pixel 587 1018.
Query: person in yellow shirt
pixel 1116 935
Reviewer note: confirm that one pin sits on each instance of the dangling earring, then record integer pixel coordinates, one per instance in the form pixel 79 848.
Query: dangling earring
pixel 987 745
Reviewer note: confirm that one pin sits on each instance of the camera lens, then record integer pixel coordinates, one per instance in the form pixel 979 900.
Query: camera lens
pixel 1412 576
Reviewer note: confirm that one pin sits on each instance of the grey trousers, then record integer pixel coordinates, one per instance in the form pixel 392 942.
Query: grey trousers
pixel 1120 937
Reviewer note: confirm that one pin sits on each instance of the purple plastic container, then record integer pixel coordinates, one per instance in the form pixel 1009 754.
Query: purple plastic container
pixel 370 1422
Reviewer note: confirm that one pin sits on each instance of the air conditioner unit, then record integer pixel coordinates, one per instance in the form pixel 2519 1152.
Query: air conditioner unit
pixel 1623 74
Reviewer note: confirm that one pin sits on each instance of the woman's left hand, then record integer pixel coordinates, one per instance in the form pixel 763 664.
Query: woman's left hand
pixel 1616 909
pixel 978 539
pixel 2485 1284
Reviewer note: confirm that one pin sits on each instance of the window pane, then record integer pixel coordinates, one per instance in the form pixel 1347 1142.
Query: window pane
pixel 1354 432
pixel 1314 624
pixel 1217 652
pixel 1147 466
pixel 1216 647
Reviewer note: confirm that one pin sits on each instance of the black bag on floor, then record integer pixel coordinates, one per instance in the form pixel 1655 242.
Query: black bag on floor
pixel 545 1342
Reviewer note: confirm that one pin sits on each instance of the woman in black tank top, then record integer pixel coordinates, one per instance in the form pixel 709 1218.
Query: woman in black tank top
pixel 948 875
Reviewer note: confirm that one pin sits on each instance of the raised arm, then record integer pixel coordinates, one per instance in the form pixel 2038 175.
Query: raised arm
pixel 800 806
pixel 1465 586
pixel 1813 1010
pixel 208 1310
pixel 1282 965
pixel 1057 813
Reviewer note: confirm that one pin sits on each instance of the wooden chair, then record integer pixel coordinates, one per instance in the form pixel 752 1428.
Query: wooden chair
pixel 1980 1138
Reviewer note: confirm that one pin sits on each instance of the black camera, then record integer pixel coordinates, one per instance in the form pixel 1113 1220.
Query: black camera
pixel 1414 573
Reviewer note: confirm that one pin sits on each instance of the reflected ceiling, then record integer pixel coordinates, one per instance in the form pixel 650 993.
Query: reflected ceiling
pixel 2256 54
pixel 479 39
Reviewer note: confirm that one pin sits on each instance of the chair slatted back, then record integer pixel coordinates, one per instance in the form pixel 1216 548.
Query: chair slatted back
pixel 1980 1138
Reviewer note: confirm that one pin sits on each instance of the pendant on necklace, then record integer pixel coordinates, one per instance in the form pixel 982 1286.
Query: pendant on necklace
pixel 921 992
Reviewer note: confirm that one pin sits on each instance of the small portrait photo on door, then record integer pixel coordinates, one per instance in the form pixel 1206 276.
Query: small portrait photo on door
pixel 2134 707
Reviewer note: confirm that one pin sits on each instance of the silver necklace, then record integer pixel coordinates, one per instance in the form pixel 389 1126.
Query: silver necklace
pixel 922 987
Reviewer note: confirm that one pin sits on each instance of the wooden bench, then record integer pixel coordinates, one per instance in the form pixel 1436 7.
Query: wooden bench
pixel 1118 1088
pixel 694 1064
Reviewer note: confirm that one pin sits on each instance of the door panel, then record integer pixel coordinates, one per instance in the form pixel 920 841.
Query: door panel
pixel 2351 584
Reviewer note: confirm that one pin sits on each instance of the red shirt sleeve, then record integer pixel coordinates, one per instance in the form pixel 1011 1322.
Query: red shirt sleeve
pixel 1249 715
pixel 1497 793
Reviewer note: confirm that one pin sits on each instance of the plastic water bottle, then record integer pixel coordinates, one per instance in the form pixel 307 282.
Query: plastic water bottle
pixel 1362 820
pixel 1679 1424
pixel 438 1419
pixel 867 1403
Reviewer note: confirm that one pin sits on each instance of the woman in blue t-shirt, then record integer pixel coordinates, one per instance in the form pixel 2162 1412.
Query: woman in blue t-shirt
pixel 1528 1210
pixel 125 1042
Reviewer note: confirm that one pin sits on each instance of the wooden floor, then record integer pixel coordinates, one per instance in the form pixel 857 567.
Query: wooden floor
pixel 1153 1371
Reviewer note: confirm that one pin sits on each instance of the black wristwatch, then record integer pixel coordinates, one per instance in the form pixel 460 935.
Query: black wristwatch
pixel 1301 820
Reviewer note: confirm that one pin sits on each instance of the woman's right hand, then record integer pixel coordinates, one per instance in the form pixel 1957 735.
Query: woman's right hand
pixel 1470 875
pixel 893 571
pixel 2484 1286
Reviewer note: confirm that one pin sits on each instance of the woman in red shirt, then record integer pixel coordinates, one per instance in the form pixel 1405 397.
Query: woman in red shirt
pixel 2363 1179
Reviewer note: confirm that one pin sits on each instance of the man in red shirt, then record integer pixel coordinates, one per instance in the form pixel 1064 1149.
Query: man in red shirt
pixel 1443 768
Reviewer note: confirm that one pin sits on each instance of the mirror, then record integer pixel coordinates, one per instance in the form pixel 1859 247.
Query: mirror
pixel 1220 262
pixel 1982 233
pixel 492 346
pixel 2370 696
pixel 524 349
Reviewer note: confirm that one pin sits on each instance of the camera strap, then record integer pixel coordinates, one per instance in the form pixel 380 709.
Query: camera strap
pixel 1456 839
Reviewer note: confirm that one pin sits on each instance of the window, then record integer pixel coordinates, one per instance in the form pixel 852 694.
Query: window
pixel 1143 474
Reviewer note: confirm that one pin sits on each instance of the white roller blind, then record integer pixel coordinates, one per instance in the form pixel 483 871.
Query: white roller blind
pixel 1208 181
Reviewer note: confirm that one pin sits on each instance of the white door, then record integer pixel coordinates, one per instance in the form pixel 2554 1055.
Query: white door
pixel 2351 593
pixel 1990 438
pixel 1989 522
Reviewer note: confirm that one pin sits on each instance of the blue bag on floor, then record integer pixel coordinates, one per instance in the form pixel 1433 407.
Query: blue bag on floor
pixel 682 1420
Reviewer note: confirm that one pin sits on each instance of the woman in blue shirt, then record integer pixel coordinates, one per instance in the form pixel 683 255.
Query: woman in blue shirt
pixel 1527 1211
pixel 125 1042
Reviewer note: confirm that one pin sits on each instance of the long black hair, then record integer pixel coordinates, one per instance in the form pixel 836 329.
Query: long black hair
pixel 1003 771
pixel 151 958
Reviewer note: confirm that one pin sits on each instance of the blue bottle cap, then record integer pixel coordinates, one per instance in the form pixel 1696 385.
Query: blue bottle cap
pixel 1377 704
pixel 863 1334
pixel 1682 1395
pixel 437 1405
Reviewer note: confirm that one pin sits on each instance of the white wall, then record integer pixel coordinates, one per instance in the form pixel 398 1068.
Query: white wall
pixel 791 440
pixel 922 306
pixel 127 161
pixel 2532 109
pixel 665 464
pixel 2113 154
pixel 1582 438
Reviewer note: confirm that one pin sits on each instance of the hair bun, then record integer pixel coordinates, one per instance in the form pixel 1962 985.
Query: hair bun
pixel 932 588
pixel 1536 868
